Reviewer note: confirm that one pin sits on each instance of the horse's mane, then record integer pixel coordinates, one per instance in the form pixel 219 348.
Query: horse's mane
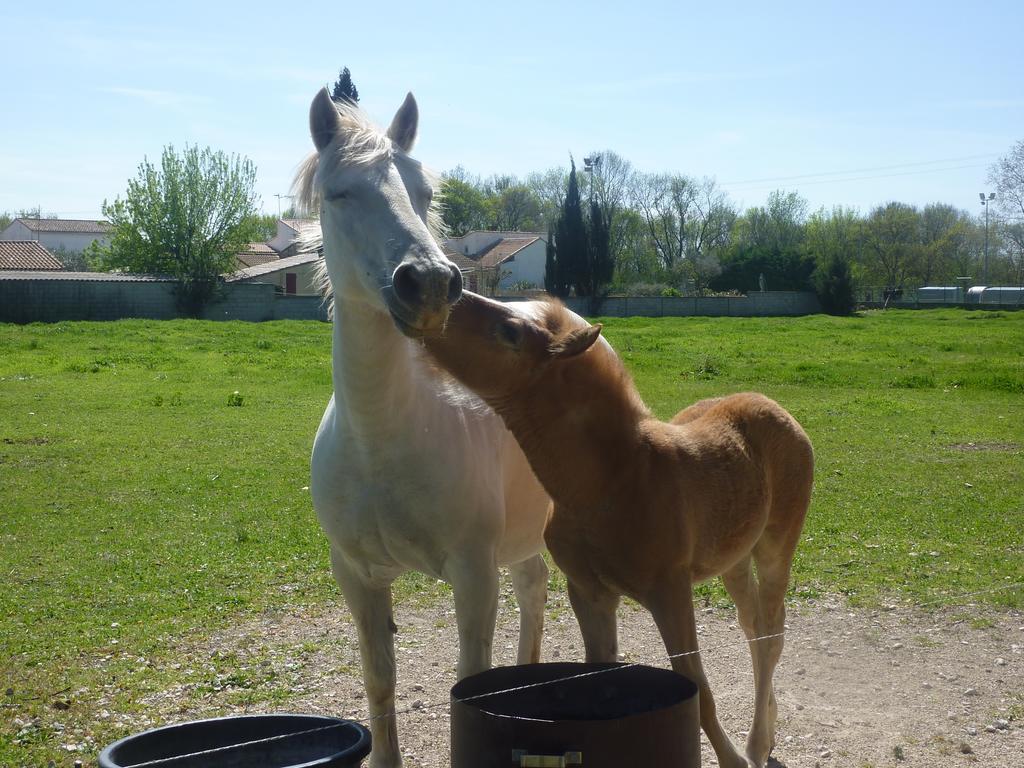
pixel 362 144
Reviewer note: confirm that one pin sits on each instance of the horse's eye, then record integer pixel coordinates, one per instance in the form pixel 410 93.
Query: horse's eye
pixel 337 196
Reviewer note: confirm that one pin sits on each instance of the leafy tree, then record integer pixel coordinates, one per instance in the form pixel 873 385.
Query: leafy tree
pixel 186 218
pixel 689 222
pixel 835 240
pixel 463 203
pixel 945 235
pixel 1007 174
pixel 514 206
pixel 23 213
pixel 263 226
pixel 768 241
pixel 833 282
pixel 638 260
pixel 893 243
pixel 344 88
pixel 549 188
pixel 610 179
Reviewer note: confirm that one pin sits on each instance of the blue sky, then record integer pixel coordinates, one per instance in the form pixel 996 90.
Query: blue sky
pixel 847 103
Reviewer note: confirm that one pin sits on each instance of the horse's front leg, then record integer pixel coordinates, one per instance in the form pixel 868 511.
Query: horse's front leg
pixel 474 580
pixel 371 609
pixel 595 608
pixel 530 582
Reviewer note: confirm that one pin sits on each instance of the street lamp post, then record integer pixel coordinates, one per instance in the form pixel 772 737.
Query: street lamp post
pixel 986 201
pixel 590 166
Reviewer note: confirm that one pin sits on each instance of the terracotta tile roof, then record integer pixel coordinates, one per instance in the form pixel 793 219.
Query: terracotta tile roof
pixel 26 254
pixel 262 270
pixel 256 253
pixel 108 277
pixel 89 226
pixel 503 250
pixel 463 262
pixel 498 233
pixel 300 225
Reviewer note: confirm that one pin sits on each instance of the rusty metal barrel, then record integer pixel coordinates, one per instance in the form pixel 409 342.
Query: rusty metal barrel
pixel 564 715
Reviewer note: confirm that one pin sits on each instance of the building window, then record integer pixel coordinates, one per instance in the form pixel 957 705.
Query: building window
pixel 290 282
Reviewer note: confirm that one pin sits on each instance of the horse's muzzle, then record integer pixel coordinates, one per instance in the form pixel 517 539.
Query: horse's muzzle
pixel 421 295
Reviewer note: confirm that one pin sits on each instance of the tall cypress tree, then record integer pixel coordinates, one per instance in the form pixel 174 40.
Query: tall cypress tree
pixel 601 263
pixel 571 242
pixel 345 89
pixel 553 282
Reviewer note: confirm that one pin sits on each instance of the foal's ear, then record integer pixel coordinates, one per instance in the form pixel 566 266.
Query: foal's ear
pixel 405 123
pixel 575 343
pixel 324 122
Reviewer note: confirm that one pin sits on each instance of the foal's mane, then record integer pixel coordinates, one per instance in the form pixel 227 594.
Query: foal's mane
pixel 605 370
pixel 361 143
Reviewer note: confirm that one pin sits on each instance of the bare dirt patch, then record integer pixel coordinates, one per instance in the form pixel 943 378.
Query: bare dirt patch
pixel 865 688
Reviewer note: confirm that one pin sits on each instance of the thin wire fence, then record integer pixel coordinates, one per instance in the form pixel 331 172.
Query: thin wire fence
pixel 419 708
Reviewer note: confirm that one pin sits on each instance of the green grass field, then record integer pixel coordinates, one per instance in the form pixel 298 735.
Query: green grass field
pixel 143 499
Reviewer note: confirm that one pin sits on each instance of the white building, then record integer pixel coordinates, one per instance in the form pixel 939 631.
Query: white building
pixel 285 242
pixel 59 235
pixel 292 275
pixel 507 258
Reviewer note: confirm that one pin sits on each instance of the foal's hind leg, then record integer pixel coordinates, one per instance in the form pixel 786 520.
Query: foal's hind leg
pixel 769 624
pixel 530 582
pixel 740 583
pixel 672 607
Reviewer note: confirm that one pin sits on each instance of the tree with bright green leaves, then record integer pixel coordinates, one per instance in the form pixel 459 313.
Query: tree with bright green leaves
pixel 186 218
pixel 344 88
pixel 835 240
pixel 768 241
pixel 893 244
pixel 464 206
pixel 1007 173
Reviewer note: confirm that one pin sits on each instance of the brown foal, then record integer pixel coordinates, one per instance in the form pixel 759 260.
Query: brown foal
pixel 642 507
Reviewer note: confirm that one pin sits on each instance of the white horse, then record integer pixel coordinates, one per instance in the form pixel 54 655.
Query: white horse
pixel 409 471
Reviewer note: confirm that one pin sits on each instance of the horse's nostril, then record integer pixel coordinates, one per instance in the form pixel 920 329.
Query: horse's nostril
pixel 406 284
pixel 455 285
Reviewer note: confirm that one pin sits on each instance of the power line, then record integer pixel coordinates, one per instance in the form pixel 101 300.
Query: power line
pixel 859 170
pixel 865 178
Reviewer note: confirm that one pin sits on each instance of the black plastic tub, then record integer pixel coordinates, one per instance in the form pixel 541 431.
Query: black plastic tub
pixel 601 716
pixel 253 741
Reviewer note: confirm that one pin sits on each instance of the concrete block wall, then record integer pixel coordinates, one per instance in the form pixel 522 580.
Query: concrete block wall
pixel 766 304
pixel 49 300
pixel 52 299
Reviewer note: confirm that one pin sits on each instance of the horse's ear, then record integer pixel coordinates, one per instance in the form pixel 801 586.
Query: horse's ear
pixel 324 122
pixel 405 124
pixel 575 343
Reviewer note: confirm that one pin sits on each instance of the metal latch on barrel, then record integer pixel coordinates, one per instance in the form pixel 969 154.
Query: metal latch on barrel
pixel 523 759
